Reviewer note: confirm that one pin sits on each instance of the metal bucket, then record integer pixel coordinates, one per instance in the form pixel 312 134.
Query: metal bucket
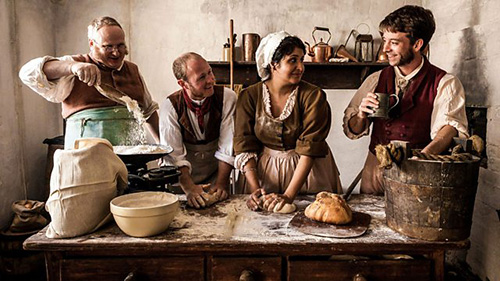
pixel 431 200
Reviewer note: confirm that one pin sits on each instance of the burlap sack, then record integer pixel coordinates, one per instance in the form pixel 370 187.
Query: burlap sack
pixel 29 217
pixel 83 182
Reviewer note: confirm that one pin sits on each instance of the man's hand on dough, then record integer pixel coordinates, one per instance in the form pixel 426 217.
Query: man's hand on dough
pixel 196 197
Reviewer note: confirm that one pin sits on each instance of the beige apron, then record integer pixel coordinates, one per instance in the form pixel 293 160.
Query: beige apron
pixel 275 168
pixel 204 165
pixel 372 179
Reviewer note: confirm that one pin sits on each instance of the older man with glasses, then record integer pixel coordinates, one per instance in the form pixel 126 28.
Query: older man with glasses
pixel 77 82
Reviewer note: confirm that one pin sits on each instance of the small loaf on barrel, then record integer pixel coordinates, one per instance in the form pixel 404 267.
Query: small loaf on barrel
pixel 330 208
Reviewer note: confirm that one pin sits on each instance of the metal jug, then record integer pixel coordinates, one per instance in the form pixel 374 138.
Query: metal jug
pixel 250 43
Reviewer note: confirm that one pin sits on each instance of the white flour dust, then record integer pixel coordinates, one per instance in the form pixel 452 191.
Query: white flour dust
pixel 137 134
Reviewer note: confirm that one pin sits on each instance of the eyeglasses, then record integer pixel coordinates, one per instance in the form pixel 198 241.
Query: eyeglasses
pixel 109 48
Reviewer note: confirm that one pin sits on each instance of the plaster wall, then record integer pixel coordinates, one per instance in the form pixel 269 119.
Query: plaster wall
pixel 11 176
pixel 158 31
pixel 25 118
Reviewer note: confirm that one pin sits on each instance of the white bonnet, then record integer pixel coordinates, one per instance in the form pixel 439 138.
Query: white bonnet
pixel 265 52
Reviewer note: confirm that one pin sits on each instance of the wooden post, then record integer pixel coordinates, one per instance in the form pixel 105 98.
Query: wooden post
pixel 231 53
pixel 231 85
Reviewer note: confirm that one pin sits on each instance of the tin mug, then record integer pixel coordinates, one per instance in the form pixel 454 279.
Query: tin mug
pixel 383 105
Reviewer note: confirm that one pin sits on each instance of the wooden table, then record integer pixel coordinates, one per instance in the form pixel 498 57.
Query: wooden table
pixel 199 245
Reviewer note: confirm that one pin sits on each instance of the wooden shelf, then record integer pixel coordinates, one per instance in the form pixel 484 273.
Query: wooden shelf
pixel 330 75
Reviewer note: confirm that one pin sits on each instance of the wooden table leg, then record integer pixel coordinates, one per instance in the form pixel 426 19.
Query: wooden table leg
pixel 438 257
pixel 53 265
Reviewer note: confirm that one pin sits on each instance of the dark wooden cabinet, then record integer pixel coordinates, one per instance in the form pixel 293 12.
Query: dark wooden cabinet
pixel 372 270
pixel 139 268
pixel 245 268
pixel 261 246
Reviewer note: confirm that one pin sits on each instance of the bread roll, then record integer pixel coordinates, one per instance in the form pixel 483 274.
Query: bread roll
pixel 330 208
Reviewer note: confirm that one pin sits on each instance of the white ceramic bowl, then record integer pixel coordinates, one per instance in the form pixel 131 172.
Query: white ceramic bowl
pixel 144 214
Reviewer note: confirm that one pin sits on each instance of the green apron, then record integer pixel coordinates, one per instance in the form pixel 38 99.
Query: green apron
pixel 115 124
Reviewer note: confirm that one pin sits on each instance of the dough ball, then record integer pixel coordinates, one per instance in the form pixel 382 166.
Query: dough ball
pixel 211 198
pixel 287 208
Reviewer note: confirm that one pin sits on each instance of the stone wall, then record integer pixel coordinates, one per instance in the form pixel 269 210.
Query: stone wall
pixel 467 45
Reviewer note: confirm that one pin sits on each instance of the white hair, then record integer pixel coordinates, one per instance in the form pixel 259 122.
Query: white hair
pixel 97 23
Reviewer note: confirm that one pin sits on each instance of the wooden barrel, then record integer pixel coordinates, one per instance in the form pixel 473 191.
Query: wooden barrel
pixel 431 200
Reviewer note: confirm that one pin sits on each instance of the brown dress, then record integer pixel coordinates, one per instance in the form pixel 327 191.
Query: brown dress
pixel 300 130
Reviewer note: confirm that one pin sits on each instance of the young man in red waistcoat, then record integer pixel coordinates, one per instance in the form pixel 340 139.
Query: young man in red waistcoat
pixel 431 107
pixel 197 122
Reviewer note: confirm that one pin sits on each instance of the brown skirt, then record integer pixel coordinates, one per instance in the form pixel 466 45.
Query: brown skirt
pixel 275 169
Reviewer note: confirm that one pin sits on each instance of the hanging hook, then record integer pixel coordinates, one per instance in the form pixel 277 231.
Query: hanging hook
pixel 367 26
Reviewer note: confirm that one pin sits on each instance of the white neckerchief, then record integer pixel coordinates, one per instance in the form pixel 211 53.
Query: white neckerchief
pixel 287 110
pixel 403 81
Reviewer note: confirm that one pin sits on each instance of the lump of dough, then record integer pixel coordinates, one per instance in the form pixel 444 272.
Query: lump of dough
pixel 287 208
pixel 212 199
pixel 330 208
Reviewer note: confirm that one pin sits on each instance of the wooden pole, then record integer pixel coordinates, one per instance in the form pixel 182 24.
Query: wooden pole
pixel 231 84
pixel 231 52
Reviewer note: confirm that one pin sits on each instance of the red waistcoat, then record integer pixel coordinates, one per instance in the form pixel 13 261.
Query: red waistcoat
pixel 410 120
pixel 212 131
pixel 127 80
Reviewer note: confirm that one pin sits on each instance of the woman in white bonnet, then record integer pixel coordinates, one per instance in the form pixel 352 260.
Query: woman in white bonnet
pixel 281 126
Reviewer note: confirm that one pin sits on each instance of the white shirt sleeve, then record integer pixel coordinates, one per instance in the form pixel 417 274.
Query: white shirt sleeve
pixel 225 149
pixel 170 134
pixel 449 106
pixel 32 75
pixel 353 108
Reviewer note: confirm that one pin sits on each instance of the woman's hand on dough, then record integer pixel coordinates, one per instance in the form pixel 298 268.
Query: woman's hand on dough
pixel 253 202
pixel 274 202
pixel 271 200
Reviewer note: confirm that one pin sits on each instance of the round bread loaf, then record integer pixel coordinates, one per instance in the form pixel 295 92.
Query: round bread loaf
pixel 330 208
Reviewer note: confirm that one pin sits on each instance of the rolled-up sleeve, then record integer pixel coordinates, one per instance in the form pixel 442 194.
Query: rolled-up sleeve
pixel 32 75
pixel 449 107
pixel 245 139
pixel 170 134
pixel 316 122
pixel 353 108
pixel 225 145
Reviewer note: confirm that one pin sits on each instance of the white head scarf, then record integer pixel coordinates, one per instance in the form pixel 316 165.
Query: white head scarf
pixel 265 52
